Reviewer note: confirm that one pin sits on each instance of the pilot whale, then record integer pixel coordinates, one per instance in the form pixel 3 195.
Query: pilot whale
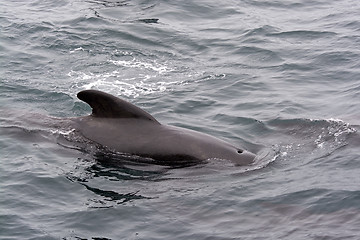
pixel 123 127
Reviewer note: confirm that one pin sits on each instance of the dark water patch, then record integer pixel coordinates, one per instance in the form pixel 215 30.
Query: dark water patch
pixel 110 3
pixel 276 4
pixel 196 13
pixel 261 32
pixel 303 34
pixel 255 55
pixel 296 67
pixel 310 205
pixel 27 95
pixel 84 26
pixel 117 166
pixel 149 20
pixel 195 105
pixel 354 25
pixel 336 201
pixel 114 196
pixel 301 198
pixel 119 11
pixel 303 209
pixel 337 59
pixel 132 37
pixel 118 173
pixel 235 120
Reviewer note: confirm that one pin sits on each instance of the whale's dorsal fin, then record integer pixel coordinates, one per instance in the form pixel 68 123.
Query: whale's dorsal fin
pixel 108 106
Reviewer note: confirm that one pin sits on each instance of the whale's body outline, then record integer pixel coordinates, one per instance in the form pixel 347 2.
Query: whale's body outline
pixel 123 127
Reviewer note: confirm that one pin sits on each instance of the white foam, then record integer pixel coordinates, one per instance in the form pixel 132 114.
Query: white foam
pixel 154 66
pixel 130 87
pixel 77 49
pixel 62 132
pixel 131 78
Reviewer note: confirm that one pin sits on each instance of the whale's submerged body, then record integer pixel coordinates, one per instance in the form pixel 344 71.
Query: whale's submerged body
pixel 123 127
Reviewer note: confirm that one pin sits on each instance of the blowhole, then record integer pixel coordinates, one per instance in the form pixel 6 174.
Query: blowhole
pixel 240 151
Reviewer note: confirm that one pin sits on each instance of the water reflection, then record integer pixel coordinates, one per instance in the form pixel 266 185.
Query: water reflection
pixel 119 198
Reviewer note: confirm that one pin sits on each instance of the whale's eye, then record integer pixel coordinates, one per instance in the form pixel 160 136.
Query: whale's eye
pixel 240 151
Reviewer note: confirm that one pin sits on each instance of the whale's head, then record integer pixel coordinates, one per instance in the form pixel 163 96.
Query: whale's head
pixel 205 147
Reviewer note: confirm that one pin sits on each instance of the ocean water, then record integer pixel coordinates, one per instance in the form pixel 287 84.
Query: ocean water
pixel 279 78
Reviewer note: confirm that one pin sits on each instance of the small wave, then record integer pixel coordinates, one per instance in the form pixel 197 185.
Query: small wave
pixel 336 131
pixel 303 34
pixel 256 55
pixel 310 138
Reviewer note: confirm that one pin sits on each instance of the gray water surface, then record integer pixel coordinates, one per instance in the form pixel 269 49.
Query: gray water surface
pixel 279 78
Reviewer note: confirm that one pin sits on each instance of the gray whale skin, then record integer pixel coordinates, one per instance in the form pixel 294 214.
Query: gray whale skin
pixel 122 127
